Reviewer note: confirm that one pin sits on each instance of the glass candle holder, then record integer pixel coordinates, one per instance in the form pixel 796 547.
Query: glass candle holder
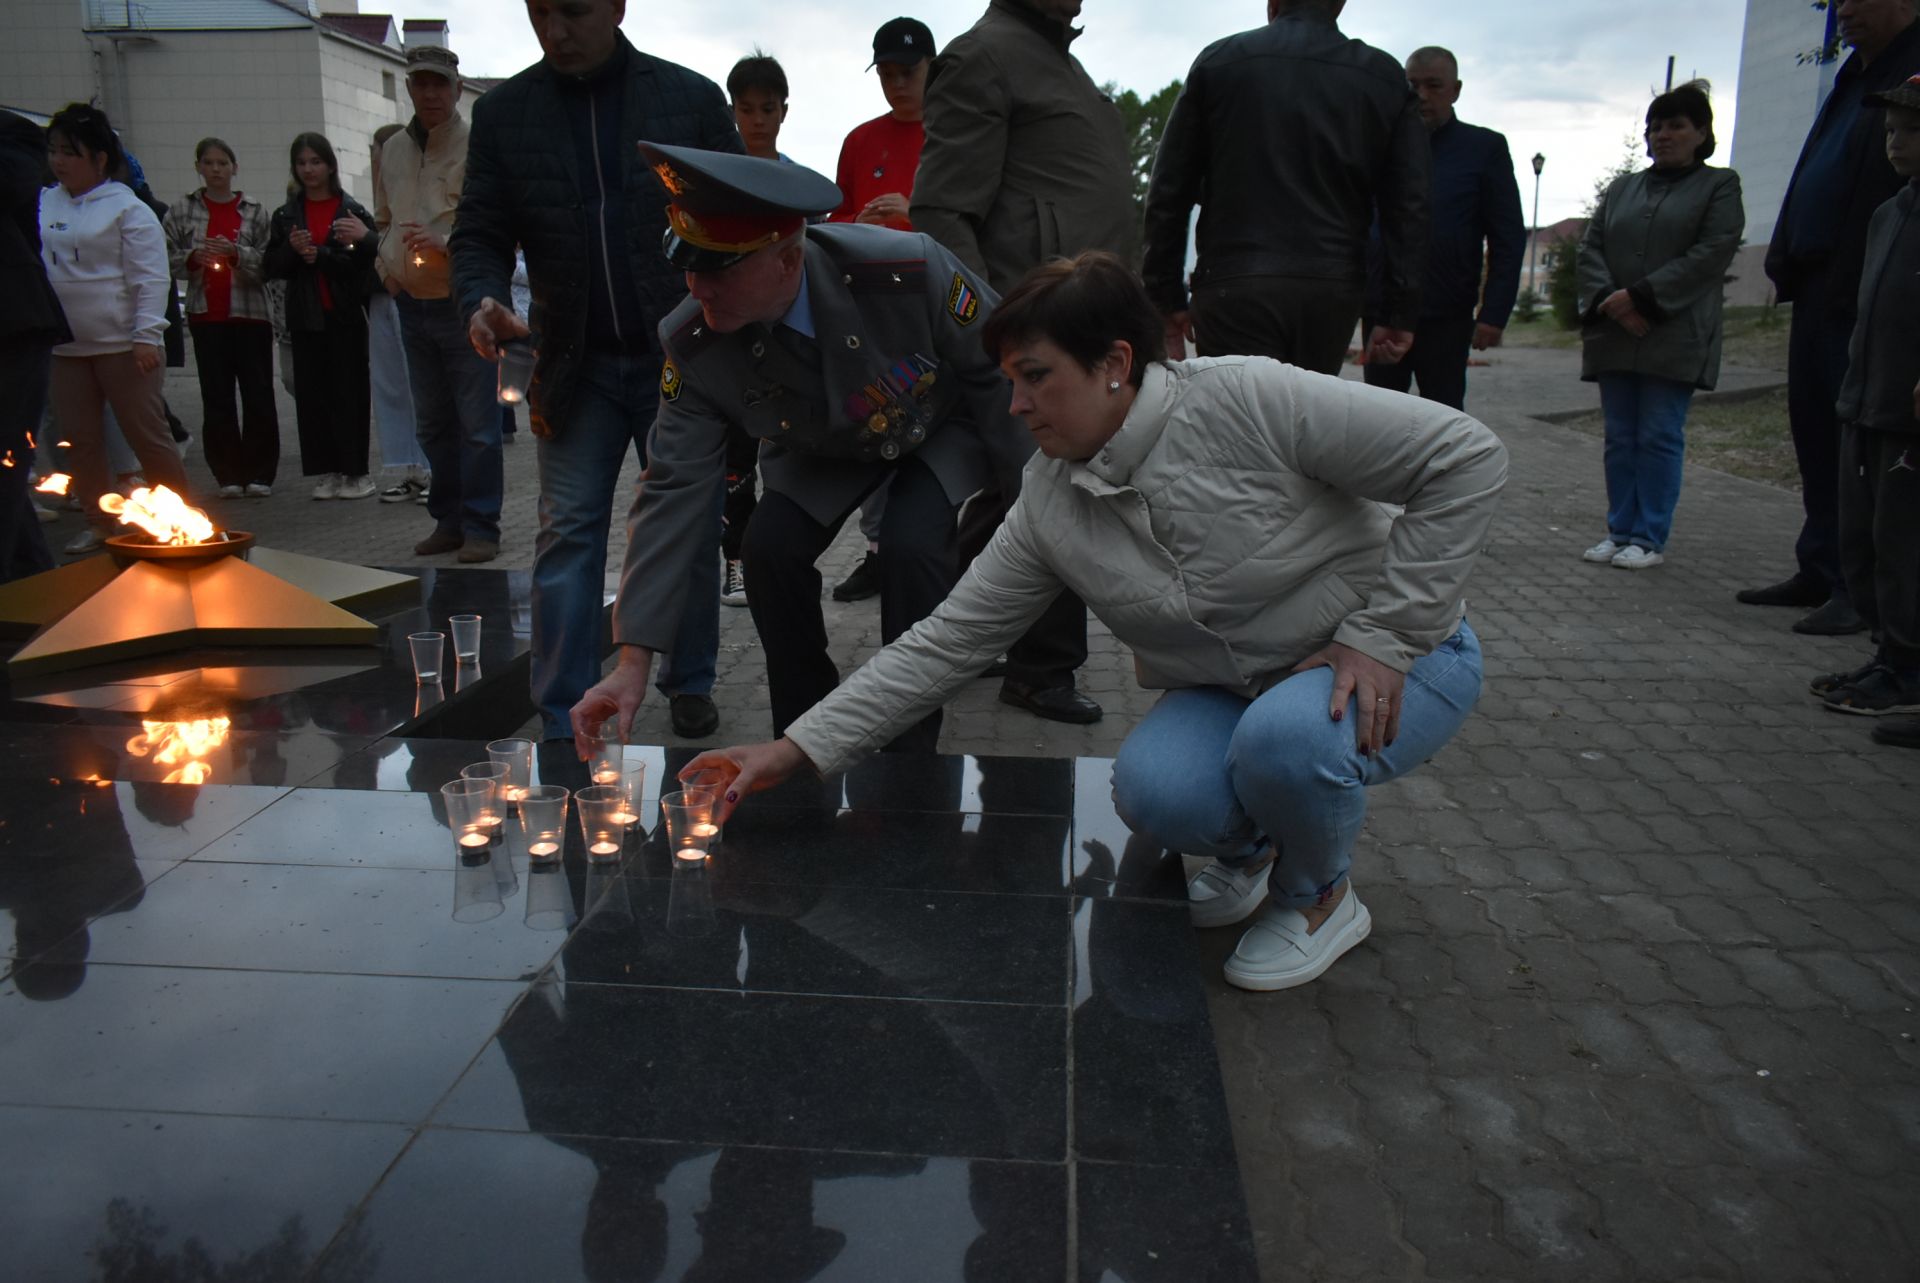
pixel 473 815
pixel 607 756
pixel 516 372
pixel 466 638
pixel 427 648
pixel 633 786
pixel 690 826
pixel 709 785
pixel 517 756
pixel 496 774
pixel 600 807
pixel 543 821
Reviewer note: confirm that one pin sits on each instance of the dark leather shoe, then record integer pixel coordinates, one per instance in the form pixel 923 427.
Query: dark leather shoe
pixel 1901 732
pixel 1835 619
pixel 1801 590
pixel 863 583
pixel 438 542
pixel 478 550
pixel 694 716
pixel 1055 703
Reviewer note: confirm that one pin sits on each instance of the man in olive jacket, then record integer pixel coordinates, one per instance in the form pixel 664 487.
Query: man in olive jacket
pixel 1025 160
pixel 552 167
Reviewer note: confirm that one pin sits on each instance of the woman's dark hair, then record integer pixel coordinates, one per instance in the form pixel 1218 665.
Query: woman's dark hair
pixel 757 71
pixel 1689 101
pixel 319 146
pixel 86 129
pixel 1083 305
pixel 205 145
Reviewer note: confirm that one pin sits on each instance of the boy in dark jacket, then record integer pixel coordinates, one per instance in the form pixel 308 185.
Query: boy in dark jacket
pixel 1879 409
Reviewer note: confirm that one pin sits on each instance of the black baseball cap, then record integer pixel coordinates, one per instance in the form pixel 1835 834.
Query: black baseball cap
pixel 902 40
pixel 1906 94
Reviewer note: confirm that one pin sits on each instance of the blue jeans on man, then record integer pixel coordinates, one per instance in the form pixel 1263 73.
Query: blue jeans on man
pixel 455 417
pixel 1209 772
pixel 1646 444
pixel 612 412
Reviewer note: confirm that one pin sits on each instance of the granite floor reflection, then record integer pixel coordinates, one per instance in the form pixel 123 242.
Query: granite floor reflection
pixel 936 1019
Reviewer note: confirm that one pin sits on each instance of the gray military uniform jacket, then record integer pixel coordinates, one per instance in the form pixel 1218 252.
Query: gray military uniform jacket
pixel 1666 237
pixel 895 369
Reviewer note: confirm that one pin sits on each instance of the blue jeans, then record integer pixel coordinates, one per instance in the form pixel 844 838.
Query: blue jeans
pixel 392 393
pixel 613 410
pixel 455 417
pixel 1646 421
pixel 1210 773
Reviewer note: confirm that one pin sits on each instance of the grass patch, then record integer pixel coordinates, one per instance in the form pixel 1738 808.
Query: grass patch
pixel 1748 437
pixel 1755 337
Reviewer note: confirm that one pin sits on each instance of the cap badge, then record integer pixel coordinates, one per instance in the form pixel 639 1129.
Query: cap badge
pixel 669 179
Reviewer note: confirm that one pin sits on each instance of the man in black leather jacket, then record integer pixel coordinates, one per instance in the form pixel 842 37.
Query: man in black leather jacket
pixel 552 168
pixel 1290 137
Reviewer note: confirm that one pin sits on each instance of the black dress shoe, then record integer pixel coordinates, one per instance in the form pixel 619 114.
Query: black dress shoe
pixel 441 540
pixel 1801 590
pixel 1835 619
pixel 863 583
pixel 1055 703
pixel 694 716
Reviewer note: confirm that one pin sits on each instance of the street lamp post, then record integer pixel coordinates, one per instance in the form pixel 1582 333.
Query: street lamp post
pixel 1533 248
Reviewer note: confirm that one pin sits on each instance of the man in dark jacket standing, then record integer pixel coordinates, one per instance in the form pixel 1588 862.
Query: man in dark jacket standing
pixel 1477 222
pixel 1290 138
pixel 30 325
pixel 1814 261
pixel 552 167
pixel 1025 160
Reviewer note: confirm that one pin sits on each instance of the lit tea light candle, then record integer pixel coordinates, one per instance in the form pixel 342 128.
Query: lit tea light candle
pixel 419 261
pixel 605 848
pixel 705 832
pixel 625 817
pixel 516 794
pixel 510 396
pixel 604 776
pixel 691 854
pixel 474 841
pixel 543 850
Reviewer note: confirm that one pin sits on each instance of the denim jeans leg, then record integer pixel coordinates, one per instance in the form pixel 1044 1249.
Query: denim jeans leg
pixel 436 417
pixel 392 395
pixel 1662 455
pixel 482 465
pixel 1620 412
pixel 1170 780
pixel 1302 779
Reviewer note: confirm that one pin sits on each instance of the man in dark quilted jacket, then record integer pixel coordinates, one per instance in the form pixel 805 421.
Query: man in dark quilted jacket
pixel 552 169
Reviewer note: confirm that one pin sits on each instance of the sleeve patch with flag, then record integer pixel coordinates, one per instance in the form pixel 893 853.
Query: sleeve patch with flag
pixel 962 303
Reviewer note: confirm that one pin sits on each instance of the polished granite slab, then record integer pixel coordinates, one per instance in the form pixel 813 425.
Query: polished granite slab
pixel 937 1018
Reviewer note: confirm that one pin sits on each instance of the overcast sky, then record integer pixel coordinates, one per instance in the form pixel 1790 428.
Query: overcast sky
pixel 1567 78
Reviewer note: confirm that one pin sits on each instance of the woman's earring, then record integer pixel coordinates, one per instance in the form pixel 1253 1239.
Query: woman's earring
pixel 1113 387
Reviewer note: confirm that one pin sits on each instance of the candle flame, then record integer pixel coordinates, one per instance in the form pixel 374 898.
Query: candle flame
pixel 182 745
pixel 54 484
pixel 161 513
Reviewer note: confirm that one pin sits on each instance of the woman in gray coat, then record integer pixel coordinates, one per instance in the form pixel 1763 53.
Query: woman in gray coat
pixel 1652 265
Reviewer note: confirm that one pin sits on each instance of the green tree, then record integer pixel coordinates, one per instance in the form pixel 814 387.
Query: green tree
pixel 1145 120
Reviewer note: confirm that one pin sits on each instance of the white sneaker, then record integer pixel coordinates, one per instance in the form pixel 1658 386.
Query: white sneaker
pixel 328 486
pixel 1634 557
pixel 360 487
pixel 1278 953
pixel 1221 895
pixel 88 540
pixel 255 490
pixel 232 492
pixel 733 585
pixel 1601 553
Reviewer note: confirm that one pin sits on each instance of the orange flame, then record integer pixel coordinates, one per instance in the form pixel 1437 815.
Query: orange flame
pixel 57 483
pixel 161 513
pixel 181 744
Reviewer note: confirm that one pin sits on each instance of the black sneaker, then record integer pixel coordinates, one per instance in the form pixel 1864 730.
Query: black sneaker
pixel 1827 683
pixel 1880 692
pixel 863 583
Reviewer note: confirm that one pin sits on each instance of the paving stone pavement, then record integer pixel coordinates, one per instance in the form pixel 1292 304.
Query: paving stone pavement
pixel 1639 999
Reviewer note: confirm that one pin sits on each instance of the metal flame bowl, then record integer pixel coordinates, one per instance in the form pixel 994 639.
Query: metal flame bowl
pixel 140 548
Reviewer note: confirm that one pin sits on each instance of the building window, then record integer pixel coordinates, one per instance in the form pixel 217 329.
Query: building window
pixel 387 86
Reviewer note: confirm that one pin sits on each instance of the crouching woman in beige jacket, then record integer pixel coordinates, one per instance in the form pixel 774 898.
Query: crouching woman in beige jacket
pixel 1228 520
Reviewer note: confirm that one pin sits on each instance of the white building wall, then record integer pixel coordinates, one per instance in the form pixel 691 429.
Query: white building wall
pixel 1778 100
pixel 45 62
pixel 354 103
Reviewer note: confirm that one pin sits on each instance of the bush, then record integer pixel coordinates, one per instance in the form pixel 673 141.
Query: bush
pixel 1527 306
pixel 1563 284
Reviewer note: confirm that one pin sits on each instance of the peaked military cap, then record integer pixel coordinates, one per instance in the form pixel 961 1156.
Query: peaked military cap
pixel 722 207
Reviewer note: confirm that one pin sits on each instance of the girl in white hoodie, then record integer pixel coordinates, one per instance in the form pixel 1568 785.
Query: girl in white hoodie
pixel 106 258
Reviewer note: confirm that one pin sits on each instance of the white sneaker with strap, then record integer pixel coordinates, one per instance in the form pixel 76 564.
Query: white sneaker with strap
pixel 1279 953
pixel 1221 894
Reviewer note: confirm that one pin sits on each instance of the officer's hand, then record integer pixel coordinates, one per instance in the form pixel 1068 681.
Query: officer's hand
pixel 748 768
pixel 1179 334
pixel 491 325
pixel 1486 336
pixel 1388 346
pixel 616 695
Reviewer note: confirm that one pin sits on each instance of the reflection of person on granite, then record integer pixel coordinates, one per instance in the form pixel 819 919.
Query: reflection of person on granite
pixel 64 862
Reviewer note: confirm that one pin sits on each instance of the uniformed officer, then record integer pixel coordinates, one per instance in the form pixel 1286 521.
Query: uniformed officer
pixel 851 353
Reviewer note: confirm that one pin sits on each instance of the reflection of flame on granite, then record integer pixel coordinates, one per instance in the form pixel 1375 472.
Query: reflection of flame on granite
pixel 186 744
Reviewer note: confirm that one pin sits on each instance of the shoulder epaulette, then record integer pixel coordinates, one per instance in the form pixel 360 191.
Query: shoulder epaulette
pixel 899 276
